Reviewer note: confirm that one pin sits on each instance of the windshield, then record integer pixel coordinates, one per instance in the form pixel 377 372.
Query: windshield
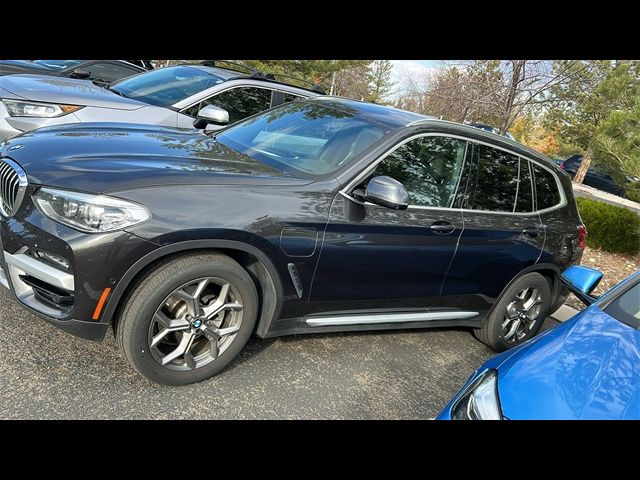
pixel 310 137
pixel 626 307
pixel 166 86
pixel 58 64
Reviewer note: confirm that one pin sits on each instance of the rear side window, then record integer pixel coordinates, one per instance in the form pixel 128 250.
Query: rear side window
pixel 496 180
pixel 547 194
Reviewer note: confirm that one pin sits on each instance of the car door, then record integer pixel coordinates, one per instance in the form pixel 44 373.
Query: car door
pixel 503 234
pixel 379 260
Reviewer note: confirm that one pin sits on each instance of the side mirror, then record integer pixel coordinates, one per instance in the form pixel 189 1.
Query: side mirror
pixel 582 281
pixel 386 192
pixel 211 114
pixel 81 74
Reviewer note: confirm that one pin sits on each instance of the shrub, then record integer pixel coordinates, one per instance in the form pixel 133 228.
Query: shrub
pixel 612 228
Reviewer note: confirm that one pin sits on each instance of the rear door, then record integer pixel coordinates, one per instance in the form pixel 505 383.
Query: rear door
pixel 503 233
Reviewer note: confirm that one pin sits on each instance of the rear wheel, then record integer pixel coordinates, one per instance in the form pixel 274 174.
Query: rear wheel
pixel 188 318
pixel 518 314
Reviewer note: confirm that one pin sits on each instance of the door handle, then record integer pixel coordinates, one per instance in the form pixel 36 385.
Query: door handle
pixel 442 227
pixel 532 232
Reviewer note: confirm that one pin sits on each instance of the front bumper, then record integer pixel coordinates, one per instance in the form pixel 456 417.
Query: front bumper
pixel 67 297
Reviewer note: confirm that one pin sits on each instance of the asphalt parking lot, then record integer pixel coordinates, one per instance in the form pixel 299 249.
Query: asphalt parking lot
pixel 47 374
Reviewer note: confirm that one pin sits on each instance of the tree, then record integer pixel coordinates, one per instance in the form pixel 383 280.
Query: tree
pixel 487 91
pixel 381 83
pixel 580 106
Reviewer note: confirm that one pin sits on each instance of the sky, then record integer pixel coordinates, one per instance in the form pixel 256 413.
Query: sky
pixel 413 68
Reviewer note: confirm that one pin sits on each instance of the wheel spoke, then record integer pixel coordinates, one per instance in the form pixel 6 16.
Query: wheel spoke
pixel 190 361
pixel 507 321
pixel 171 324
pixel 223 332
pixel 193 305
pixel 531 300
pixel 512 331
pixel 214 308
pixel 183 347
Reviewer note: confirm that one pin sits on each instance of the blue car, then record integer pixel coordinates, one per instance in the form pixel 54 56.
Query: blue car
pixel 585 368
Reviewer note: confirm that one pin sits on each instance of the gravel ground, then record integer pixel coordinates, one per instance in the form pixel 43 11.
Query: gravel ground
pixel 47 374
pixel 615 266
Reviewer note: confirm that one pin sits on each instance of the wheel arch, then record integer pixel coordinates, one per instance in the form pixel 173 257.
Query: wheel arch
pixel 257 263
pixel 549 271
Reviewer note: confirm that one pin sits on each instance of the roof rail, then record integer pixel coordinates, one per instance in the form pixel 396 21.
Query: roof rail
pixel 254 73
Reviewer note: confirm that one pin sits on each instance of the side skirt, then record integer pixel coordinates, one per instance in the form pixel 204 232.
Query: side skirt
pixel 375 320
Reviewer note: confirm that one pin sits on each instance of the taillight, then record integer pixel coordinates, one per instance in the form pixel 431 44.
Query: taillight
pixel 561 165
pixel 582 237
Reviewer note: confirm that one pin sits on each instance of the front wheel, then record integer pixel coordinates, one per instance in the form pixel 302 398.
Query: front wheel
pixel 188 318
pixel 518 314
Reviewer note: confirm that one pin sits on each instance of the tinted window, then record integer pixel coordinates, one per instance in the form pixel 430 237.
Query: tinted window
pixel 289 97
pixel 166 86
pixel 109 71
pixel 547 194
pixel 524 200
pixel 626 307
pixel 309 137
pixel 241 102
pixel 496 180
pixel 428 167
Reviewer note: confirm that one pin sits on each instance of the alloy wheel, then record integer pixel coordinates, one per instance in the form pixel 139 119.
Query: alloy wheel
pixel 195 324
pixel 522 314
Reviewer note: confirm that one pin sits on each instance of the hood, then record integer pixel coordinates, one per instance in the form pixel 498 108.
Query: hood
pixel 586 368
pixel 103 157
pixel 41 88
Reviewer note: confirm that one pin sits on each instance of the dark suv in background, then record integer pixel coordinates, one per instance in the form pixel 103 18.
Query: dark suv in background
pixel 318 215
pixel 596 177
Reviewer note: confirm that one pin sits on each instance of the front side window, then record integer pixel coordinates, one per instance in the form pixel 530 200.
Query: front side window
pixel 241 102
pixel 428 167
pixel 547 194
pixel 496 180
pixel 308 137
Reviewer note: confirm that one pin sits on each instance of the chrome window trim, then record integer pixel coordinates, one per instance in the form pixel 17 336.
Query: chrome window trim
pixel 374 164
pixel 230 85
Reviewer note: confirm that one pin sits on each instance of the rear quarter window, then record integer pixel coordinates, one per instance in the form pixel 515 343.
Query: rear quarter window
pixel 547 194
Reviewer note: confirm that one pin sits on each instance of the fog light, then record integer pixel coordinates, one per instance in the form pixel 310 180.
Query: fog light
pixel 52 259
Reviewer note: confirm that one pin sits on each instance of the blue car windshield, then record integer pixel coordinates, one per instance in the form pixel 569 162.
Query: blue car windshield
pixel 166 86
pixel 58 64
pixel 309 137
pixel 626 307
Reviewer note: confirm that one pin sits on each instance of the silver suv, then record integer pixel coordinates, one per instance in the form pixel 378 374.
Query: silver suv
pixel 172 96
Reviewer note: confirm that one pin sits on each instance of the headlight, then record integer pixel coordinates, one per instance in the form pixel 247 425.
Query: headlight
pixel 33 109
pixel 480 400
pixel 90 213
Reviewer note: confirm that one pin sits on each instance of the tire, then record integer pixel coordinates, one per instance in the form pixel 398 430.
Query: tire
pixel 560 299
pixel 492 333
pixel 176 283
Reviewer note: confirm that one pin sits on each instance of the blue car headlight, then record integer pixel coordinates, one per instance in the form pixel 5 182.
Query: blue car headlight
pixel 480 399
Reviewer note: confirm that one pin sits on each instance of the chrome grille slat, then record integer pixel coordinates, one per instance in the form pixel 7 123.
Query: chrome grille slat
pixel 13 184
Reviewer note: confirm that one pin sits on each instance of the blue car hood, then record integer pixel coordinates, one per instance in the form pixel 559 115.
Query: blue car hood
pixel 586 368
